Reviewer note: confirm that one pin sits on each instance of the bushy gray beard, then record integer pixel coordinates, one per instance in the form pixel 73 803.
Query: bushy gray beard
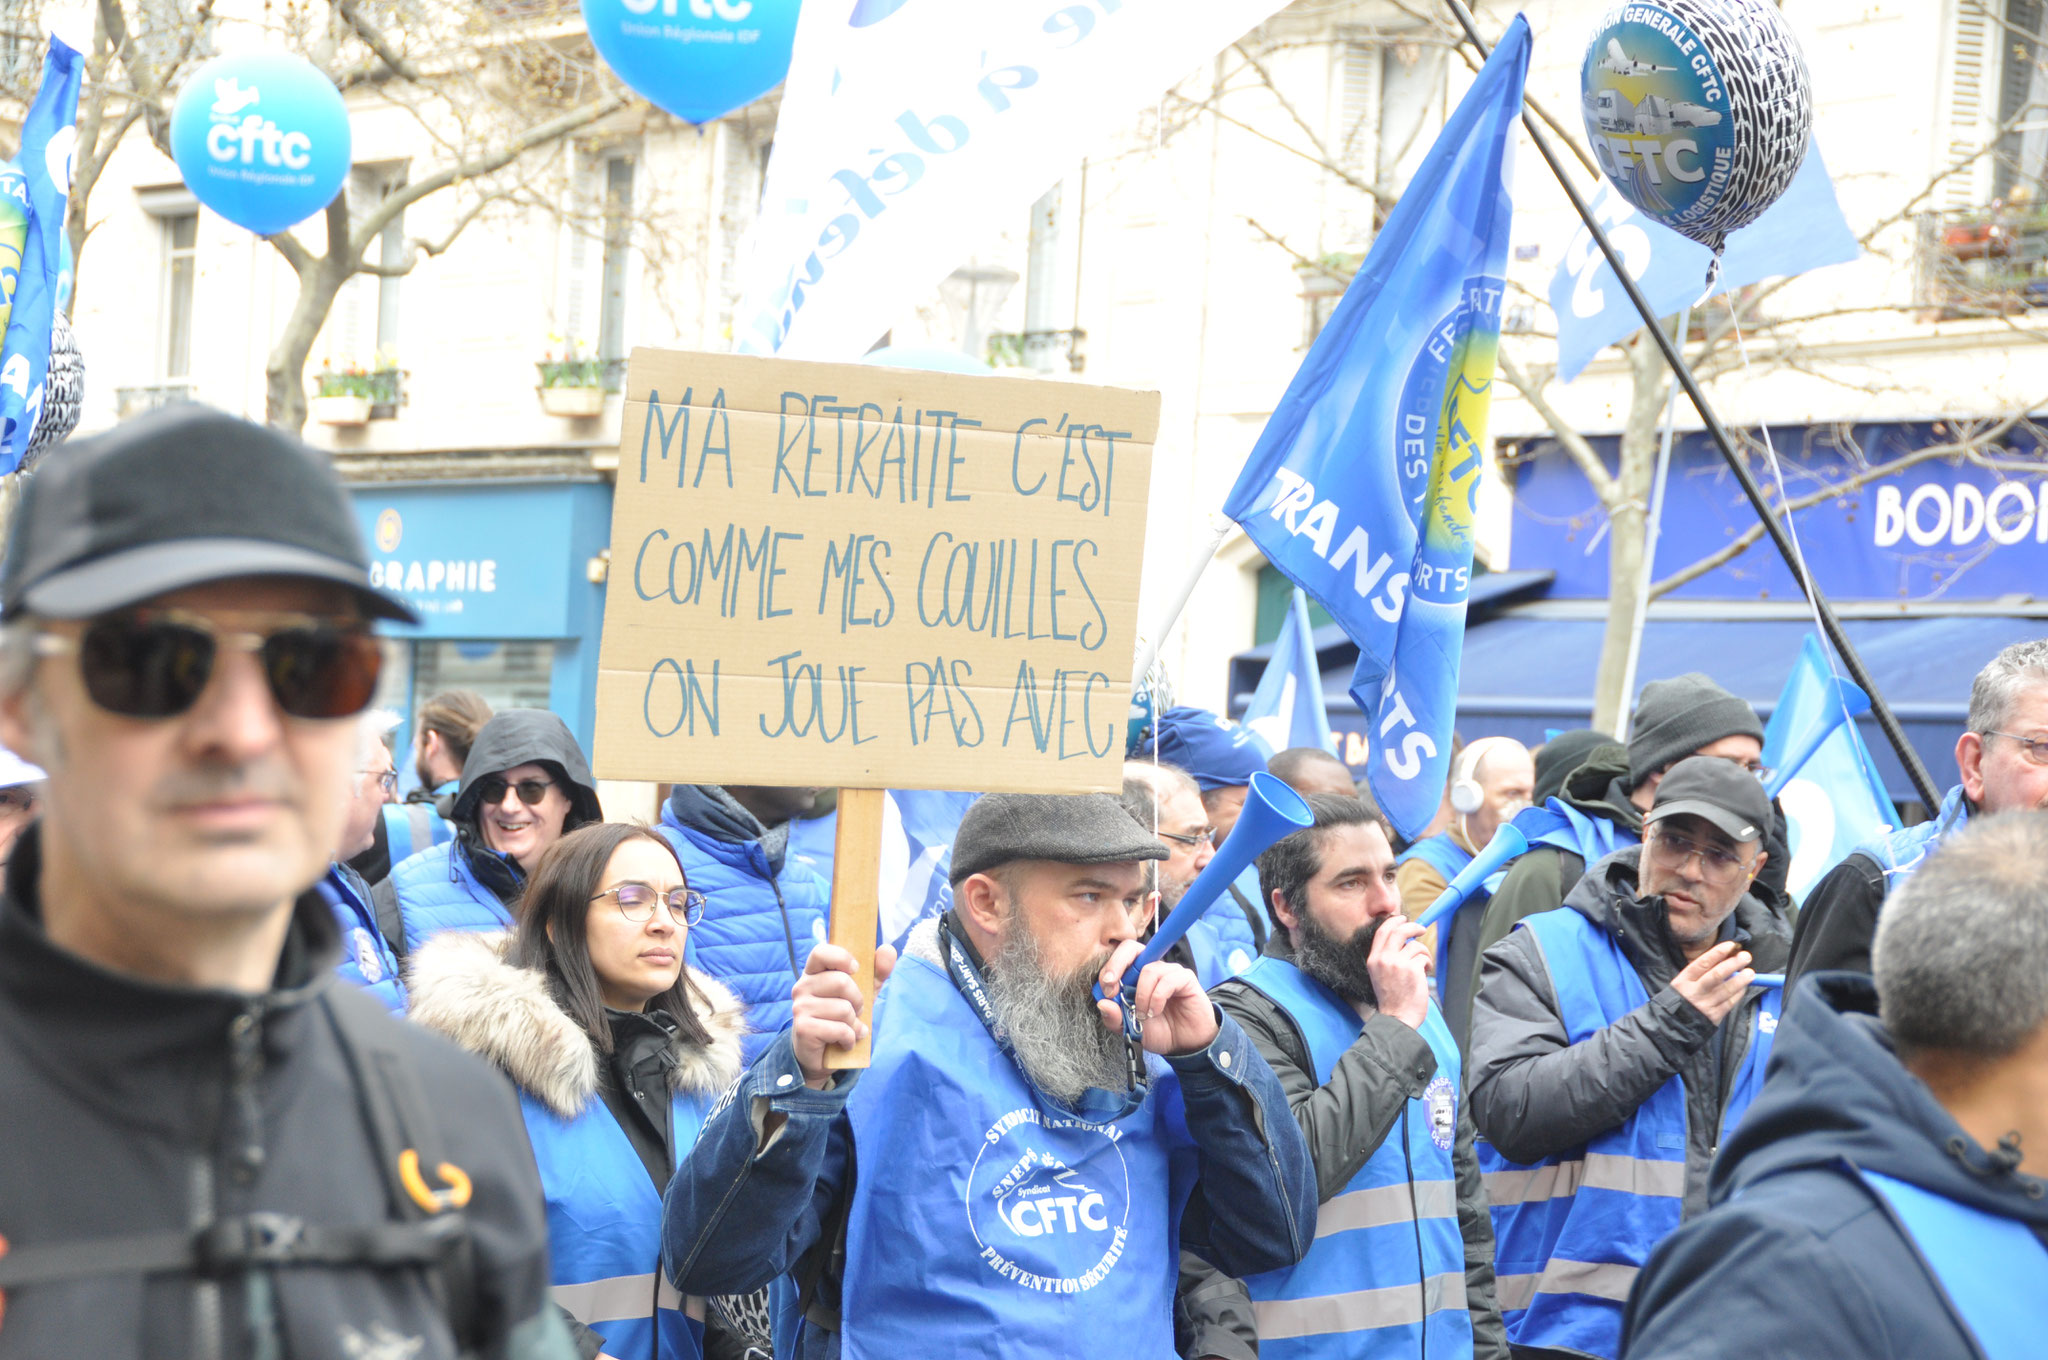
pixel 1051 1022
pixel 1337 964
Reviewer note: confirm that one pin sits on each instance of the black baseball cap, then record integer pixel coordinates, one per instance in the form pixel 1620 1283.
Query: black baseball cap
pixel 180 497
pixel 1721 791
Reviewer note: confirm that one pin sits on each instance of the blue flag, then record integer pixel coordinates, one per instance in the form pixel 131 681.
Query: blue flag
pixel 1832 797
pixel 1287 707
pixel 1361 487
pixel 33 188
pixel 917 855
pixel 1803 230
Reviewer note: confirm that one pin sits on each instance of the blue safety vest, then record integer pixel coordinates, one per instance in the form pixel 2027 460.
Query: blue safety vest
pixel 366 958
pixel 604 1228
pixel 1898 853
pixel 1221 939
pixel 411 827
pixel 1561 826
pixel 1386 1273
pixel 989 1220
pixel 1993 1269
pixel 1571 1231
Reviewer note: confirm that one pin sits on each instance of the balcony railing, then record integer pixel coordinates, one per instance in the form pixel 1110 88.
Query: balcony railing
pixel 1989 261
pixel 133 401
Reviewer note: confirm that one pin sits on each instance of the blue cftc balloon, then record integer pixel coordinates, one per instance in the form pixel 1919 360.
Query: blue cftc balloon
pixel 696 59
pixel 262 139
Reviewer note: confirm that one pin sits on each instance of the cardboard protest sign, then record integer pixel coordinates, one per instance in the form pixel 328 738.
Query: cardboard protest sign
pixel 839 574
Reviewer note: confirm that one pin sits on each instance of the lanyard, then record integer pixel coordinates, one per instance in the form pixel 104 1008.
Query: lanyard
pixel 1097 1105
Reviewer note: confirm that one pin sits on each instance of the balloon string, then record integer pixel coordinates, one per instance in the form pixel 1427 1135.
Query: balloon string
pixel 1713 282
pixel 1791 530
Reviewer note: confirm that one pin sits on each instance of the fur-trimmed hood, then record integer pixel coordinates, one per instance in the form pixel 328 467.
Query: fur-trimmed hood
pixel 462 987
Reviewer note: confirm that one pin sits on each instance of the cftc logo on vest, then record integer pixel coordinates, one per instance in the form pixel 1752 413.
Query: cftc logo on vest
pixel 1048 1201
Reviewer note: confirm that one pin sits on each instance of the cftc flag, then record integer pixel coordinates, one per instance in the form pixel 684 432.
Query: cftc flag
pixel 1832 797
pixel 1803 230
pixel 33 188
pixel 1287 707
pixel 910 130
pixel 1361 487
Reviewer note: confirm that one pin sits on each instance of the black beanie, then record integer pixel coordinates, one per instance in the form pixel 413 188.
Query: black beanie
pixel 1675 717
pixel 1563 753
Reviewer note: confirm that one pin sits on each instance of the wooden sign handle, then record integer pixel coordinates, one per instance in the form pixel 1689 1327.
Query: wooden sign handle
pixel 856 902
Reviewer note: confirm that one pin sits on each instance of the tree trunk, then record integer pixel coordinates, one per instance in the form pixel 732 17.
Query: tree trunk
pixel 1628 571
pixel 284 398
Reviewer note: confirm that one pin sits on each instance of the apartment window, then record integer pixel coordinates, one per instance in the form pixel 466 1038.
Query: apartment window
pixel 2018 167
pixel 181 239
pixel 618 246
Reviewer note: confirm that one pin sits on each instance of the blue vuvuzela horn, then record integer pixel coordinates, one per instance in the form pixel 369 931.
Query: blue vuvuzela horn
pixel 1271 810
pixel 1508 842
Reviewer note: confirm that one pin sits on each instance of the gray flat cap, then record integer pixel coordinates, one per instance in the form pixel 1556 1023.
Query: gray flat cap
pixel 1086 828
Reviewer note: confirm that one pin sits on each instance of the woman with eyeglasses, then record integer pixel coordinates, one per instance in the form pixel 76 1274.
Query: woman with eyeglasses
pixel 524 786
pixel 618 1050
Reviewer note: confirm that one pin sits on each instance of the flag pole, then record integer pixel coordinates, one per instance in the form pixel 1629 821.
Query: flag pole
pixel 1148 651
pixel 1887 721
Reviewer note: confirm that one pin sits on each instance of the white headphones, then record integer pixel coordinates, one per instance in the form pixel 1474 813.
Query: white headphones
pixel 1467 797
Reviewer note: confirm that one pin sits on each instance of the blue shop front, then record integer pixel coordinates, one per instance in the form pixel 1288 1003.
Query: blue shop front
pixel 507 578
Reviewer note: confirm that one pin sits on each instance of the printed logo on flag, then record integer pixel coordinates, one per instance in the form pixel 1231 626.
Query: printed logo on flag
pixel 1048 1201
pixel 1448 395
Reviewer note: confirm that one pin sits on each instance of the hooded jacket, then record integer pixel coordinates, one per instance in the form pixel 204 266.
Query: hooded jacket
pixel 1820 1266
pixel 463 884
pixel 765 908
pixel 140 1107
pixel 652 1086
pixel 1535 1095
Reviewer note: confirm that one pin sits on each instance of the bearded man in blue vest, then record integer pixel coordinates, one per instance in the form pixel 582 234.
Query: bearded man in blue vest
pixel 1883 1201
pixel 1014 1175
pixel 1615 1042
pixel 1339 1007
pixel 2003 760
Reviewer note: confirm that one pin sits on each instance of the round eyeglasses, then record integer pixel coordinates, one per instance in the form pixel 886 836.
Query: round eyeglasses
pixel 636 902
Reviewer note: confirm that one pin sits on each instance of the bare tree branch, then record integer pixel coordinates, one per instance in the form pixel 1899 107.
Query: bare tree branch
pixel 376 219
pixel 1209 106
pixel 1569 439
pixel 417 246
pixel 376 40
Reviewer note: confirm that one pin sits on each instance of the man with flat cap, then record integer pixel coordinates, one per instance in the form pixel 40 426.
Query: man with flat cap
pixel 1013 1175
pixel 208 1146
pixel 1615 1042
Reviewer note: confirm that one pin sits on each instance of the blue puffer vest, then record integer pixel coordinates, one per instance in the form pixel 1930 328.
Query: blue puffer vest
pixel 438 890
pixel 1899 853
pixel 1221 938
pixel 758 927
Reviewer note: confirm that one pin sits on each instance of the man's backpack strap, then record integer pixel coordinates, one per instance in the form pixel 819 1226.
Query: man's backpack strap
pixel 421 1186
pixel 390 918
pixel 1570 869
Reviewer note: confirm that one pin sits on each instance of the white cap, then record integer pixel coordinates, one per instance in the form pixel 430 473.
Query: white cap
pixel 15 771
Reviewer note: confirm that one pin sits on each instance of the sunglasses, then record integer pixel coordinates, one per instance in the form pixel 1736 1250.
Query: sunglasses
pixel 530 791
pixel 636 902
pixel 156 663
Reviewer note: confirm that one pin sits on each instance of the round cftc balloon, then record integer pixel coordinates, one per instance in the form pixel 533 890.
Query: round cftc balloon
pixel 1698 110
pixel 262 139
pixel 696 59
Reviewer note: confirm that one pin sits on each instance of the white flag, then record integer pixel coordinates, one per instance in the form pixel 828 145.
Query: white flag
pixel 911 130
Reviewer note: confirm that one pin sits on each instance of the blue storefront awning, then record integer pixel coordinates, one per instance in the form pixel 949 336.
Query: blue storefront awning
pixel 1530 670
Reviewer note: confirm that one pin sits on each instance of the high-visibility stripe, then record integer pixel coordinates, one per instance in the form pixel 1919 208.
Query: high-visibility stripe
pixel 1362 1310
pixel 1386 1204
pixel 1600 1279
pixel 1599 1171
pixel 621 1296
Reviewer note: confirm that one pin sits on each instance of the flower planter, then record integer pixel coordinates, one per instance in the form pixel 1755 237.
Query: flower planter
pixel 576 403
pixel 342 410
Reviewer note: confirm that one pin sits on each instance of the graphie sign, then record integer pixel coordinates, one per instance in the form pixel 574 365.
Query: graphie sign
pixel 832 574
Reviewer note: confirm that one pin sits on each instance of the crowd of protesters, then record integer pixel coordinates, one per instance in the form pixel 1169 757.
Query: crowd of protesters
pixel 290 1067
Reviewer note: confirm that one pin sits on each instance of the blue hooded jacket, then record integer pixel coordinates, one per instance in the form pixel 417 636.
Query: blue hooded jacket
pixel 765 908
pixel 1798 1256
